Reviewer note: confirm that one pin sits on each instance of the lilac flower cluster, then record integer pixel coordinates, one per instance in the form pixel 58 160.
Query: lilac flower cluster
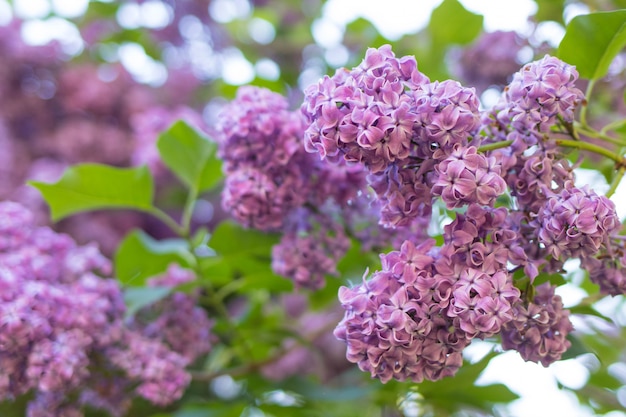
pixel 267 175
pixel 539 329
pixel 388 116
pixel 608 269
pixel 576 222
pixel 396 324
pixel 541 94
pixel 467 177
pixel 62 326
pixel 308 257
pixel 412 319
pixel 176 320
pixel 272 184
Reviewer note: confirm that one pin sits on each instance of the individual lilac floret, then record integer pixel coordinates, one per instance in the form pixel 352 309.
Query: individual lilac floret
pixel 307 258
pixel 539 329
pixel 468 177
pixel 576 222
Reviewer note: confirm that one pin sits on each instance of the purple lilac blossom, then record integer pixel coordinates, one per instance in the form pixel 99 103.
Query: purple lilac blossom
pixel 308 256
pixel 257 130
pixel 541 94
pixel 61 324
pixel 387 116
pixel 539 328
pixel 608 269
pixel 576 222
pixel 467 176
pixel 176 320
pixel 395 324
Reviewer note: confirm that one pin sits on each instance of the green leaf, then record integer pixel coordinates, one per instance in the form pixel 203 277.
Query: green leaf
pixel 139 257
pixel 450 395
pixel 208 409
pixel 190 156
pixel 451 23
pixel 229 238
pixel 87 187
pixel 550 10
pixel 554 279
pixel 243 255
pixel 577 348
pixel 137 298
pixel 592 41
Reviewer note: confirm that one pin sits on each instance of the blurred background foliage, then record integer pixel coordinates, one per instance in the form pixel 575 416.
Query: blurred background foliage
pixel 73 100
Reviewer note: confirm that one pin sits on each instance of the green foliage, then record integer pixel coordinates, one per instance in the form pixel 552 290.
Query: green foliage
pixel 242 259
pixel 451 24
pixel 87 187
pixel 446 398
pixel 137 298
pixel 190 156
pixel 592 41
pixel 550 10
pixel 140 257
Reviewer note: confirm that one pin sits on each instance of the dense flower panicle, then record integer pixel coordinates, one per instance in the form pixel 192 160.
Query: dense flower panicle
pixel 385 111
pixel 366 115
pixel 58 320
pixel 403 194
pixel 158 371
pixel 539 328
pixel 576 222
pixel 257 130
pixel 608 269
pixel 176 320
pixel 388 117
pixel 260 199
pixel 539 93
pixel 447 115
pixel 395 324
pixel 308 257
pixel 468 177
